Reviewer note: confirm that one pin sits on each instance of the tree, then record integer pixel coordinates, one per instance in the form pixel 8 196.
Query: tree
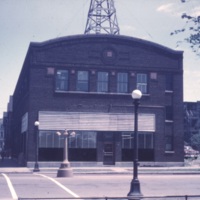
pixel 193 28
pixel 195 141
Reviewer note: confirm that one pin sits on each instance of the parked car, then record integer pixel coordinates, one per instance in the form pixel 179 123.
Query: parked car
pixel 190 152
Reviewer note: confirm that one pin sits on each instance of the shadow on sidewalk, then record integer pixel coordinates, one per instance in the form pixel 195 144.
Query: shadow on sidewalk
pixel 8 162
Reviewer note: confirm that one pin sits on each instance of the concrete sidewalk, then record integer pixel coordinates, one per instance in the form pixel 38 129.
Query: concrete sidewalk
pixel 128 170
pixel 109 170
pixel 11 166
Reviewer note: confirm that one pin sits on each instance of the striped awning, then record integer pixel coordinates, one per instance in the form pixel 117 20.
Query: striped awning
pixel 95 121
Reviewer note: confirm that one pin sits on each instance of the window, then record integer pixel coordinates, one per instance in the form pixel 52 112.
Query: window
pixel 102 85
pixel 127 140
pixel 169 113
pixel 145 140
pixel 142 83
pixel 82 81
pixel 83 139
pixel 169 82
pixel 169 143
pixel 122 82
pixel 61 80
pixel 168 137
pixel 49 139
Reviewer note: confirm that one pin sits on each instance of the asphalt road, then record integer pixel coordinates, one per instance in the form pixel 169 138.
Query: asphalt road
pixel 39 185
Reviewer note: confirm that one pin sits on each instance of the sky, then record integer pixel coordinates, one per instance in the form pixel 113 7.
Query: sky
pixel 25 21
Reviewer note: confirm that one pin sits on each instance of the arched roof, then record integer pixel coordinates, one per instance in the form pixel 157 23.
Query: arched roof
pixel 98 37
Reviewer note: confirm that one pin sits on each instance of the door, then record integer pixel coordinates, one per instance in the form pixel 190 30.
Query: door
pixel 108 153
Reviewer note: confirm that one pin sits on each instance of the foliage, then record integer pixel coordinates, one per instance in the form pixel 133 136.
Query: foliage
pixel 193 28
pixel 195 141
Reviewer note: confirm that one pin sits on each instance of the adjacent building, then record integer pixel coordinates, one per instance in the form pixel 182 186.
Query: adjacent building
pixel 191 120
pixel 1 135
pixel 9 140
pixel 83 83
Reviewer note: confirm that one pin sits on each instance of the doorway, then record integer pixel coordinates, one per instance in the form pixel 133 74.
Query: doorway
pixel 108 153
pixel 109 148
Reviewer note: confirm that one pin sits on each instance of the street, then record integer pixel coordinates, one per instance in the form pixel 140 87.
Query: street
pixel 47 185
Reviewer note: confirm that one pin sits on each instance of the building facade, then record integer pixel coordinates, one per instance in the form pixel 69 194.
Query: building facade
pixel 83 83
pixel 1 135
pixel 7 130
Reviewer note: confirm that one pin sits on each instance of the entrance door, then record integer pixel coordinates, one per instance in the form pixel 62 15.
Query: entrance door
pixel 108 153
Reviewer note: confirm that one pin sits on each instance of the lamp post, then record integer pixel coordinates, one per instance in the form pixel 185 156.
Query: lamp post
pixel 36 167
pixel 135 192
pixel 65 170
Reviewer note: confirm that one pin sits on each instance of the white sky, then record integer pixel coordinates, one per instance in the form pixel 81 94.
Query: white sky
pixel 25 21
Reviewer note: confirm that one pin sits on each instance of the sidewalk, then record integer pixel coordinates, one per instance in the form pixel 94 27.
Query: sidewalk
pixel 11 166
pixel 8 163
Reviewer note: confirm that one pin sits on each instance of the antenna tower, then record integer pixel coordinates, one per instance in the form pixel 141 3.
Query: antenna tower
pixel 102 18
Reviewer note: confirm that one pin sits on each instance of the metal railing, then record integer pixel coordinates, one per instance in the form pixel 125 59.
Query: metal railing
pixel 180 197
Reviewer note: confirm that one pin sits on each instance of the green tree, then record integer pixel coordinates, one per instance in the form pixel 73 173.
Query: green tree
pixel 192 27
pixel 195 141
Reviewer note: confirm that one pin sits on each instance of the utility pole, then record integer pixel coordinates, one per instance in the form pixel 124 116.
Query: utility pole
pixel 102 18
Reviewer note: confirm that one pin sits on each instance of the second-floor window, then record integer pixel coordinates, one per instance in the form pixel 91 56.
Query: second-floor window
pixel 142 83
pixel 169 82
pixel 102 82
pixel 169 113
pixel 61 80
pixel 122 82
pixel 82 81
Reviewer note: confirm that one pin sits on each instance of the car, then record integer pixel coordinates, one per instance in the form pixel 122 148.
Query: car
pixel 190 152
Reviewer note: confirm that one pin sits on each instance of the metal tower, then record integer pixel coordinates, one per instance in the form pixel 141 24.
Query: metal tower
pixel 102 18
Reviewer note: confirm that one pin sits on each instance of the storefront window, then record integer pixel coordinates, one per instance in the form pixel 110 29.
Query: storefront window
pixel 82 139
pixel 145 140
pixel 127 141
pixel 49 139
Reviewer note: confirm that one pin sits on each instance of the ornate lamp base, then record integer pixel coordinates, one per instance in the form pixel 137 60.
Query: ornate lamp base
pixel 135 192
pixel 65 170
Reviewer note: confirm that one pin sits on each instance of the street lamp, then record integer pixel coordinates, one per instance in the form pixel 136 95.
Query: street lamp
pixel 135 192
pixel 65 170
pixel 36 167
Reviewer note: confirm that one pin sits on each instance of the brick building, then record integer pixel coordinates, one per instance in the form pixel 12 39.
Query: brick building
pixel 84 83
pixel 1 135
